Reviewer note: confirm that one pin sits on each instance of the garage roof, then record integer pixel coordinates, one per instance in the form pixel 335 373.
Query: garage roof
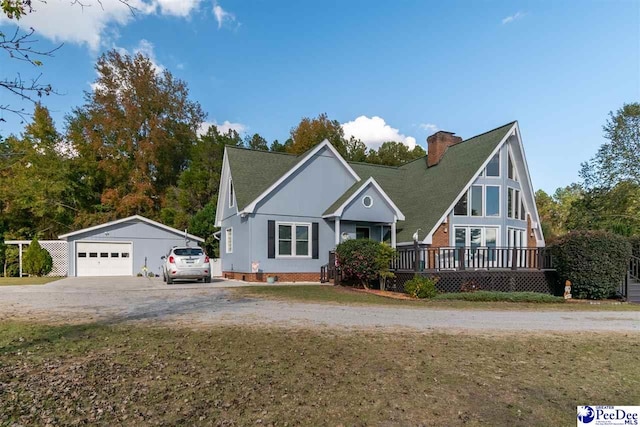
pixel 132 218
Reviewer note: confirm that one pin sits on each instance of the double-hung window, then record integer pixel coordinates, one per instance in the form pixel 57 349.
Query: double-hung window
pixel 293 240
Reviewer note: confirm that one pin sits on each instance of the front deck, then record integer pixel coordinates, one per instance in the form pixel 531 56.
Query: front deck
pixel 463 269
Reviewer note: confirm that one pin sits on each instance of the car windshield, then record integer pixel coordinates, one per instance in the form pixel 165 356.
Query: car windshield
pixel 188 252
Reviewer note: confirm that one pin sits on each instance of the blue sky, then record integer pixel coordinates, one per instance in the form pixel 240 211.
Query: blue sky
pixel 383 69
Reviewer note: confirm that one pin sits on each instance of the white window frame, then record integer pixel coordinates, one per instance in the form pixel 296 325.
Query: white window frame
pixel 231 191
pixel 468 204
pixel 483 214
pixel 228 248
pixel 499 187
pixel 470 201
pixel 483 235
pixel 517 203
pixel 293 226
pixel 520 232
pixel 511 190
pixel 484 171
pixel 515 178
pixel 364 204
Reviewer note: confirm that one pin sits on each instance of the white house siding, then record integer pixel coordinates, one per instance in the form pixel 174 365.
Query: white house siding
pixel 304 196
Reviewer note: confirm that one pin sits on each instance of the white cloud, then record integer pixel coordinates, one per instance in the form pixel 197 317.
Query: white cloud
pixel 145 47
pixel 514 17
pixel 182 8
pixel 223 127
pixel 374 131
pixel 429 127
pixel 95 22
pixel 222 16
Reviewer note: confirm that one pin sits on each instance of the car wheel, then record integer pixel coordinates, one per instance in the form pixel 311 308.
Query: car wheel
pixel 207 279
pixel 169 281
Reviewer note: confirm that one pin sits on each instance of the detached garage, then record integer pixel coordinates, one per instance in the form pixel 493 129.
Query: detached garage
pixel 124 247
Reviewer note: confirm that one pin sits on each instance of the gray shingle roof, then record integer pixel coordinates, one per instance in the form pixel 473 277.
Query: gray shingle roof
pixel 422 194
pixel 254 171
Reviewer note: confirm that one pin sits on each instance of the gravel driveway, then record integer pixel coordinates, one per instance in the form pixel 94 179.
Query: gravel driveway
pixel 150 300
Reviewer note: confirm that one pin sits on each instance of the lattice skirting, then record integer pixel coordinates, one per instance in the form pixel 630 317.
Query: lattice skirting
pixel 59 255
pixel 502 281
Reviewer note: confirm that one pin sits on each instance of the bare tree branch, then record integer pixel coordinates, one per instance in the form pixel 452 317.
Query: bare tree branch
pixel 22 46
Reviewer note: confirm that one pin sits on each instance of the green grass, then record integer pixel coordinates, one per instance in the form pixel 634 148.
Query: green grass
pixel 533 297
pixel 490 300
pixel 14 281
pixel 124 375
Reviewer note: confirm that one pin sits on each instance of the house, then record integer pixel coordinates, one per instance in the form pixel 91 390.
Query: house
pixel 124 247
pixel 280 214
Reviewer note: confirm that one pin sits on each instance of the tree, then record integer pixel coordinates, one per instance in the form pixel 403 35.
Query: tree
pixel 133 135
pixel 37 260
pixel 199 182
pixel 355 150
pixel 618 159
pixel 256 142
pixel 311 132
pixel 615 209
pixel 392 153
pixel 203 224
pixel 38 193
pixel 277 147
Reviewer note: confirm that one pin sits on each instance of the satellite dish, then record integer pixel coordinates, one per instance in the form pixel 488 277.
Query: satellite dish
pixel 345 235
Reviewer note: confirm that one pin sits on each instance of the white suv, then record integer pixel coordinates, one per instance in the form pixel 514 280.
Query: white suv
pixel 186 263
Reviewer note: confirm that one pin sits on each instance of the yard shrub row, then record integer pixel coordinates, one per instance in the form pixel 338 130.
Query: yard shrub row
pixel 594 261
pixel 494 296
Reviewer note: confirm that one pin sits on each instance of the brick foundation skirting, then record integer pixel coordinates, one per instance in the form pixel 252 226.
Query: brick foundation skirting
pixel 280 277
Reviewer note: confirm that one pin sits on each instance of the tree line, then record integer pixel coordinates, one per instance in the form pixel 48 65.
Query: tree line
pixel 608 194
pixel 134 147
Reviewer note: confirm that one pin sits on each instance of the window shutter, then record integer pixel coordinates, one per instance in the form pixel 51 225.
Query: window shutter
pixel 271 237
pixel 315 245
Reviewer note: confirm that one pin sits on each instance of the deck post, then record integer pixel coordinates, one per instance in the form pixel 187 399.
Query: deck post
pixel 461 260
pixel 416 260
pixel 514 258
pixel 393 233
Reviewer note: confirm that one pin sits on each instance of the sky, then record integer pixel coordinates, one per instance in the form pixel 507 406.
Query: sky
pixel 385 70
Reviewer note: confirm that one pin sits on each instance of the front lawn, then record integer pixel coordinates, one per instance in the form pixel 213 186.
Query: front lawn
pixel 124 375
pixel 476 300
pixel 16 281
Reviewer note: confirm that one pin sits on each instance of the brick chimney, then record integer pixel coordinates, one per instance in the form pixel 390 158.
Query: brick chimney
pixel 438 143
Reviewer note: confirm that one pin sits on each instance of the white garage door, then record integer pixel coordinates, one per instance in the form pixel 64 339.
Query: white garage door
pixel 104 259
